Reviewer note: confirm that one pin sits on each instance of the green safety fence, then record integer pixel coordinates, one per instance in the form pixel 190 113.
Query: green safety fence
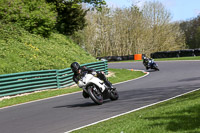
pixel 17 83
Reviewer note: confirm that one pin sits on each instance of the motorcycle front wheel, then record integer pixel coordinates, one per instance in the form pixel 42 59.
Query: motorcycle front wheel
pixel 95 94
pixel 155 67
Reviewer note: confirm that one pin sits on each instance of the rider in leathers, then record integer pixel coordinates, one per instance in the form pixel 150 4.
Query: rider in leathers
pixel 146 62
pixel 78 70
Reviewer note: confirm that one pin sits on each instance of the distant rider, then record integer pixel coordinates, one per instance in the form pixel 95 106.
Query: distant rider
pixel 146 62
pixel 78 71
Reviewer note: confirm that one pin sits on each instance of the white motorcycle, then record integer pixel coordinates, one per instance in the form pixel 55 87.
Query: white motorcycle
pixel 96 88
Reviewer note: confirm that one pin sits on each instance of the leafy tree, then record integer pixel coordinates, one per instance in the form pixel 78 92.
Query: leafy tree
pixel 130 31
pixel 71 16
pixel 191 29
pixel 197 37
pixel 95 3
pixel 36 16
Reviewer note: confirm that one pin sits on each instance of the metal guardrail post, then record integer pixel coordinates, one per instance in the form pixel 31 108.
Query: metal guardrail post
pixel 57 79
pixel 106 67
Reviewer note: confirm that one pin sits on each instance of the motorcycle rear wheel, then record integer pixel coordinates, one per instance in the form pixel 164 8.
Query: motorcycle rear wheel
pixel 114 95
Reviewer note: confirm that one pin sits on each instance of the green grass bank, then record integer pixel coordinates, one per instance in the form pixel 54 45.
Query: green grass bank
pixel 21 51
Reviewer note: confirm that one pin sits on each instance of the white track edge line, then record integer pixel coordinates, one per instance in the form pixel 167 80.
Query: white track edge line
pixel 146 73
pixel 131 111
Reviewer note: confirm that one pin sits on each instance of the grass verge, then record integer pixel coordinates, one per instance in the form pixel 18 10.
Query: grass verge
pixel 119 76
pixel 163 59
pixel 124 75
pixel 180 58
pixel 178 115
pixel 32 52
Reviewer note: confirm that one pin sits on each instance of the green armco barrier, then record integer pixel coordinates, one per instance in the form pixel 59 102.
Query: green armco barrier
pixel 17 83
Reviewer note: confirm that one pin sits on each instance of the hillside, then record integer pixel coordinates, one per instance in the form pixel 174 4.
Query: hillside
pixel 21 51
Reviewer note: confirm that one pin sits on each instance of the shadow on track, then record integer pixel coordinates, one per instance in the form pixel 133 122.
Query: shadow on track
pixel 189 79
pixel 151 70
pixel 87 104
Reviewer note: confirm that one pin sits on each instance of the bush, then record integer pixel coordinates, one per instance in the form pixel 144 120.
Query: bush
pixel 36 16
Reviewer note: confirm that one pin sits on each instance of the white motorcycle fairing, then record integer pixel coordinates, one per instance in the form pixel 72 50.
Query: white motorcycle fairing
pixel 89 78
pixel 96 89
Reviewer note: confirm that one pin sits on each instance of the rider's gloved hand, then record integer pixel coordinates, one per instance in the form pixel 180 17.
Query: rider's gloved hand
pixel 94 73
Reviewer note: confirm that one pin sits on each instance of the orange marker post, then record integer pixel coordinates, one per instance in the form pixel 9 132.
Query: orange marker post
pixel 138 57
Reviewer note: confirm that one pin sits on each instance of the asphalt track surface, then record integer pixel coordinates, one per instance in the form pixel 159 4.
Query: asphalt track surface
pixel 64 113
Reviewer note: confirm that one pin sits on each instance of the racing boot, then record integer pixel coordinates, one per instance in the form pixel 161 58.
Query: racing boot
pixel 103 77
pixel 85 95
pixel 108 84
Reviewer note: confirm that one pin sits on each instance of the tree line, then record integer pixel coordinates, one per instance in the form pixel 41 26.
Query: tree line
pixel 127 31
pixel 191 29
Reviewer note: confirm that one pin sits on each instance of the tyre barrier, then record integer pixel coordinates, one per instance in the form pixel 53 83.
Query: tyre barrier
pixel 120 58
pixel 165 54
pixel 197 52
pixel 186 53
pixel 179 53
